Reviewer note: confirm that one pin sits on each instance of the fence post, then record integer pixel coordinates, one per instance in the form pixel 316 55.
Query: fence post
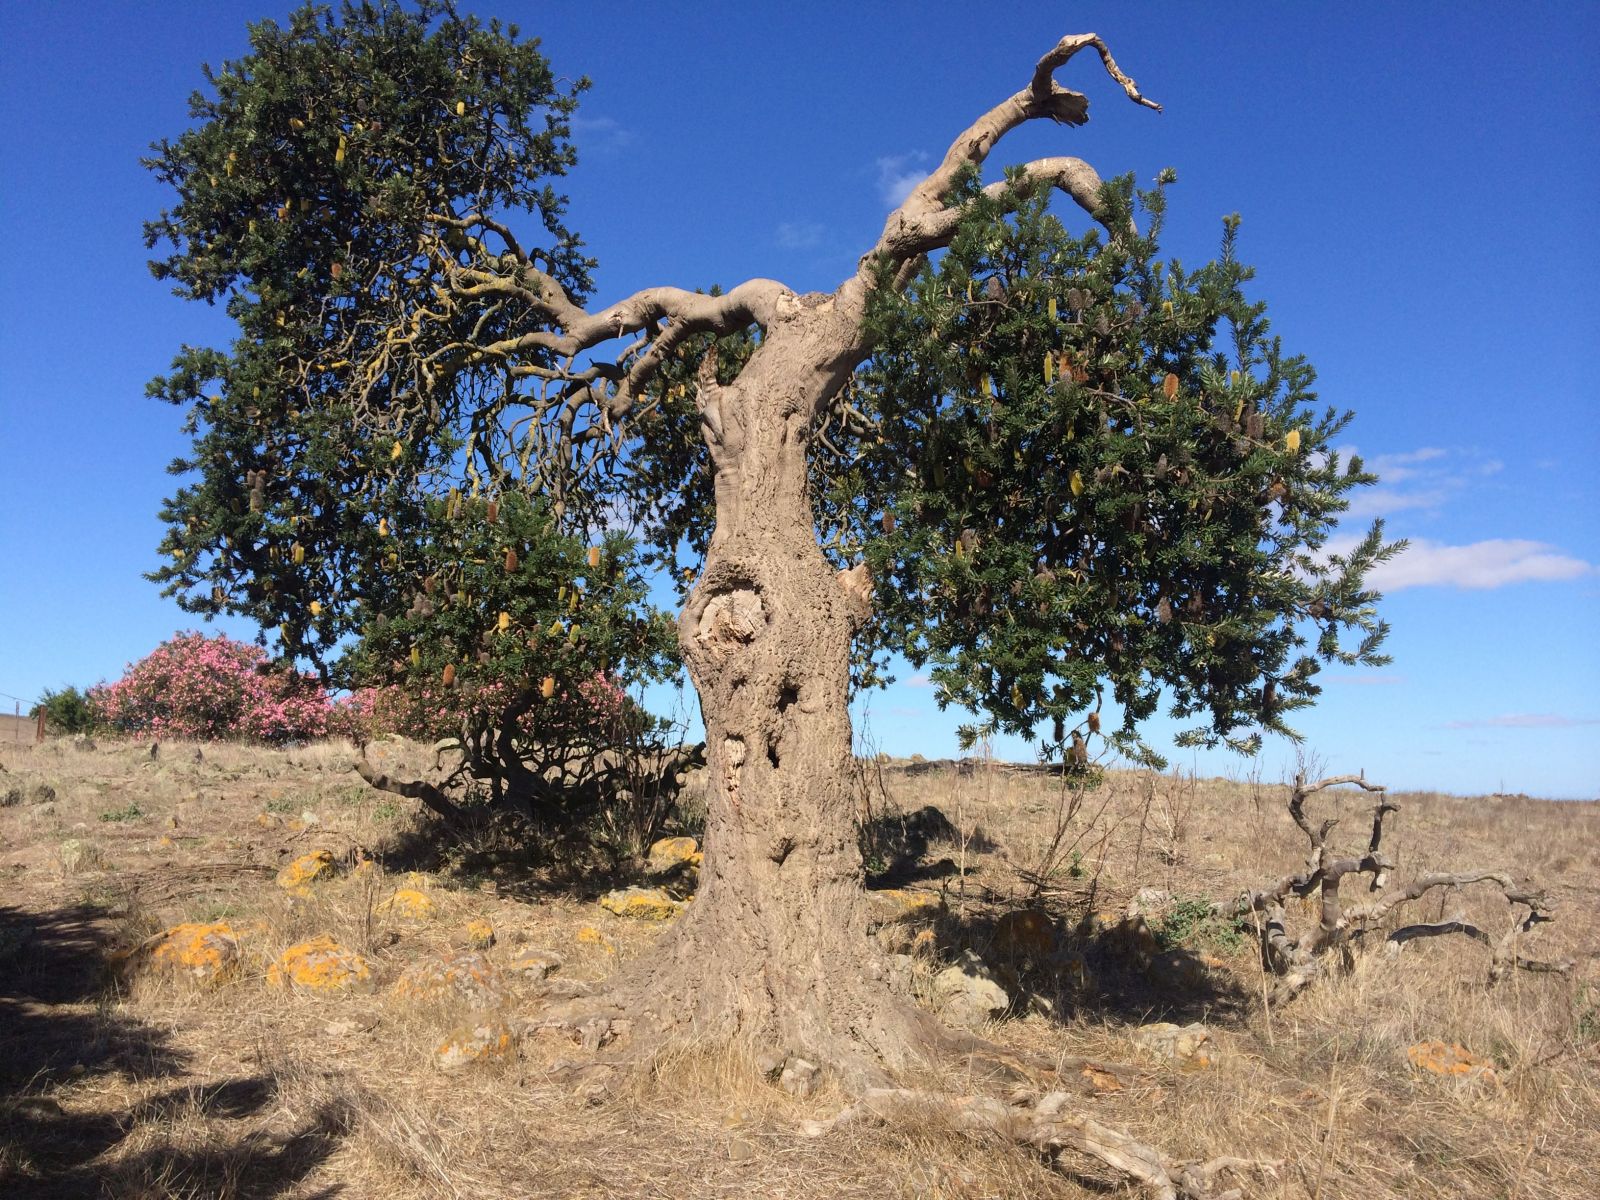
pixel 39 736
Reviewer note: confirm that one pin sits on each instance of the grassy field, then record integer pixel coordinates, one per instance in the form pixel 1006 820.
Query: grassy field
pixel 118 1080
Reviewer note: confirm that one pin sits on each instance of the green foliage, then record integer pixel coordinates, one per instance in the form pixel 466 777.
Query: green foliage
pixel 66 710
pixel 1192 921
pixel 129 812
pixel 1080 468
pixel 320 169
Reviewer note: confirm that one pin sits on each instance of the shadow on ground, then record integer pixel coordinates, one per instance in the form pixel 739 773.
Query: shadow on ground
pixel 65 1047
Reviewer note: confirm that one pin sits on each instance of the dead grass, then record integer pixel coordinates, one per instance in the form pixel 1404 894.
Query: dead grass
pixel 121 1084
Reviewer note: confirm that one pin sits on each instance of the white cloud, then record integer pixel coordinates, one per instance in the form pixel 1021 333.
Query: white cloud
pixel 799 235
pixel 1427 478
pixel 1525 721
pixel 1478 565
pixel 919 680
pixel 898 174
pixel 600 134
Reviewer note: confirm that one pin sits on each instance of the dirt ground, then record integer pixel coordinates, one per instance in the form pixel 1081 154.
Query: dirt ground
pixel 118 1079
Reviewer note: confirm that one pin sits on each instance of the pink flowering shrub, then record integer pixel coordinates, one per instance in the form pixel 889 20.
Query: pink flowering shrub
pixel 213 688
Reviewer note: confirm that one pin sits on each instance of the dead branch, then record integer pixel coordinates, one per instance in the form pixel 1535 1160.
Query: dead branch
pixel 1300 959
pixel 1048 1126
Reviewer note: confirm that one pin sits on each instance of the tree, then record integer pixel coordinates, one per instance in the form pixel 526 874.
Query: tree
pixel 1044 463
pixel 65 710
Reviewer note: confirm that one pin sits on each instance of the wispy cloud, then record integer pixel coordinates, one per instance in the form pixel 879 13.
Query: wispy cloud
pixel 898 174
pixel 1427 478
pixel 919 680
pixel 1492 563
pixel 1525 721
pixel 603 134
pixel 800 235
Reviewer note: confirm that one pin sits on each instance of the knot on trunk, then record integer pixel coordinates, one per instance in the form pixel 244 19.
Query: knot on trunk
pixel 729 620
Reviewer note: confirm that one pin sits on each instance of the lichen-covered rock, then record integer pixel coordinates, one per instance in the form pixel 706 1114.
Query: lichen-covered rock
pixel 204 952
pixel 466 977
pixel 1025 933
pixel 643 904
pixel 479 933
pixel 1450 1058
pixel 904 904
pixel 967 993
pixel 319 965
pixel 588 935
pixel 533 965
pixel 78 854
pixel 409 904
pixel 1188 1046
pixel 297 876
pixel 671 855
pixel 481 1040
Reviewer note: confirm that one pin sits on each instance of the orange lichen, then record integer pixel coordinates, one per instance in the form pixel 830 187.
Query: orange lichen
pixel 644 904
pixel 206 953
pixel 320 964
pixel 410 904
pixel 484 1039
pixel 305 870
pixel 590 936
pixel 479 933
pixel 1449 1058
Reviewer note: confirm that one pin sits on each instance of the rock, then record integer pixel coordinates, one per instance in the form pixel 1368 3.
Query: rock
pixel 1450 1058
pixel 205 953
pixel 410 904
pixel 903 904
pixel 644 904
pixel 76 855
pixel 298 875
pixel 479 933
pixel 1183 969
pixel 320 965
pixel 1188 1046
pixel 1026 933
pixel 967 992
pixel 799 1077
pixel 533 965
pixel 668 856
pixel 590 936
pixel 465 977
pixel 741 1150
pixel 481 1040
pixel 82 741
pixel 11 796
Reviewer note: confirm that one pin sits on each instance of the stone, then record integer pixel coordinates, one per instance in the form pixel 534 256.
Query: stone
pixel 1189 1046
pixel 904 904
pixel 479 933
pixel 1451 1059
pixel 310 868
pixel 320 965
pixel 77 854
pixel 590 936
pixel 967 993
pixel 668 856
pixel 799 1077
pixel 410 904
pixel 463 977
pixel 10 796
pixel 643 904
pixel 207 953
pixel 1025 933
pixel 483 1039
pixel 533 966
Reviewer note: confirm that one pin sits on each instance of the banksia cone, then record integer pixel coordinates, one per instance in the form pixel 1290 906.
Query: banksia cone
pixel 383 526
pixel 316 608
pixel 395 452
pixel 1164 611
pixel 1050 364
pixel 505 621
pixel 416 657
pixel 887 522
pixel 449 676
pixel 1291 440
pixel 572 635
pixel 594 557
pixel 1050 308
pixel 298 554
pixel 336 270
pixel 1076 483
pixel 547 689
pixel 987 386
pixel 1094 722
pixel 1169 385
pixel 461 108
pixel 511 560
pixel 493 513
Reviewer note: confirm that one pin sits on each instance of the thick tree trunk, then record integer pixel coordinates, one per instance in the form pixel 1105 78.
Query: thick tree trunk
pixel 774 948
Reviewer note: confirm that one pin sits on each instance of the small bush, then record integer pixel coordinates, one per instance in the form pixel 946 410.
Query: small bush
pixel 130 813
pixel 213 688
pixel 66 711
pixel 1191 921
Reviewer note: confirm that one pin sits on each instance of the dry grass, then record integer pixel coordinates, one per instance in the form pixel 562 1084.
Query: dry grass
pixel 130 1085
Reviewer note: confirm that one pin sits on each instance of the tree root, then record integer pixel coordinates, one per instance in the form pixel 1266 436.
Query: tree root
pixel 1047 1125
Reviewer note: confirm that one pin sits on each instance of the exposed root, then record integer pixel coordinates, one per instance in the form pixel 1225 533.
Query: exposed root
pixel 1048 1126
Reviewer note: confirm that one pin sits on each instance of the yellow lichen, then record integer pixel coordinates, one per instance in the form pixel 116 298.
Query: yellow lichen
pixel 207 953
pixel 465 976
pixel 305 870
pixel 480 934
pixel 410 904
pixel 644 904
pixel 590 936
pixel 672 852
pixel 482 1040
pixel 320 964
pixel 1449 1058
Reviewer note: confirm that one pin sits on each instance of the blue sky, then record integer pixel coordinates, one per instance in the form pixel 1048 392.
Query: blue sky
pixel 1419 191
